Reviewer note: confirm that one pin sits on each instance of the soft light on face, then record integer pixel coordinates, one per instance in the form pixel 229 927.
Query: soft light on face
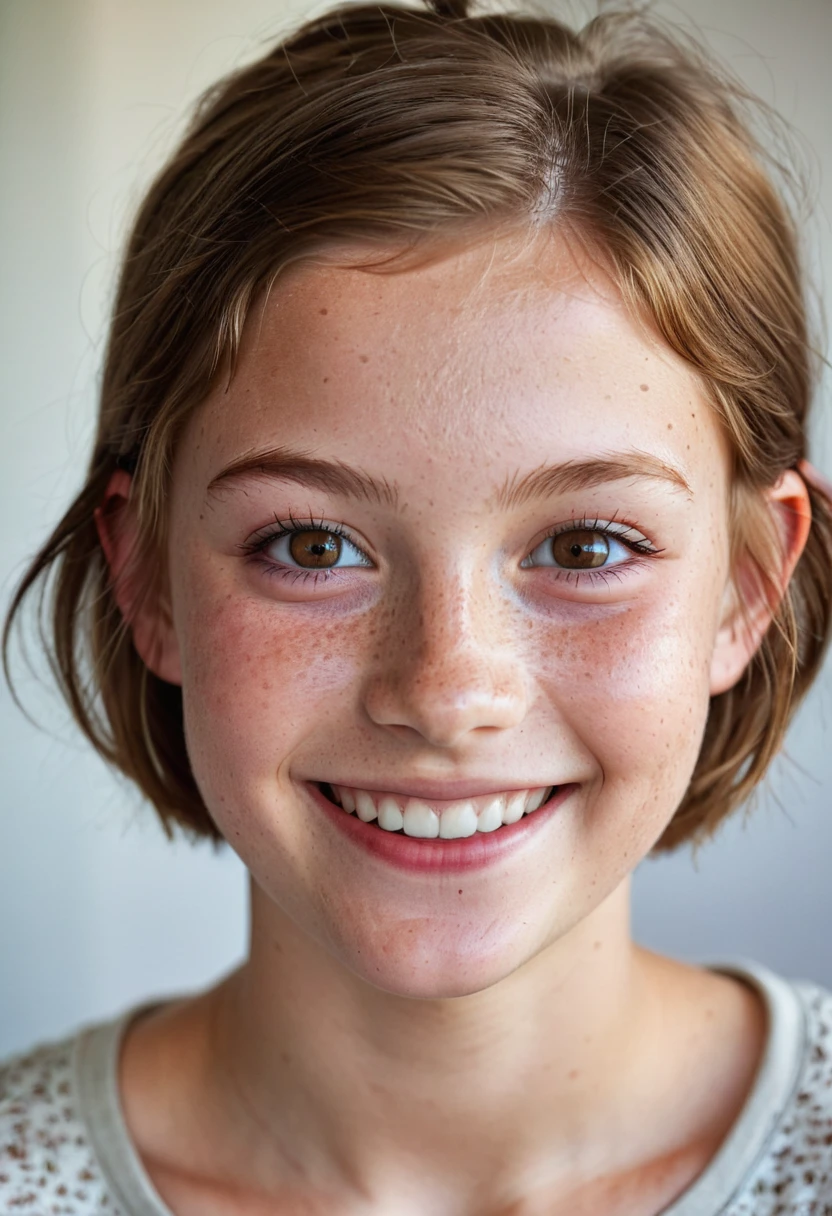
pixel 447 643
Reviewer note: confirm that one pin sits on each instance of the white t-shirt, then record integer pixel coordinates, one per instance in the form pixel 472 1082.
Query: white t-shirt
pixel 65 1149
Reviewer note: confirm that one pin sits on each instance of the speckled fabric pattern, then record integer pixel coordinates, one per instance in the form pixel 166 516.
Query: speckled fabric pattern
pixel 64 1148
pixel 47 1165
pixel 794 1178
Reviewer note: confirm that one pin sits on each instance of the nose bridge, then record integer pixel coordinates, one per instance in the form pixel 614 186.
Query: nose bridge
pixel 448 619
pixel 446 665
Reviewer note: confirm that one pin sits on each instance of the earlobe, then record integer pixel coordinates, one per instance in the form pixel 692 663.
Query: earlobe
pixel 147 618
pixel 752 597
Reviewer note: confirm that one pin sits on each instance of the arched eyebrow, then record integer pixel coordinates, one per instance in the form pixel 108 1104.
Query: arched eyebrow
pixel 552 479
pixel 345 481
pixel 289 464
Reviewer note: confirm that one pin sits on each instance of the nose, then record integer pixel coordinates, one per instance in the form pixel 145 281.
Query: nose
pixel 444 665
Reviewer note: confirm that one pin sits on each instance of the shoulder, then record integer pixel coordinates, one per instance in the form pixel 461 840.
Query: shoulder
pixel 795 1172
pixel 47 1164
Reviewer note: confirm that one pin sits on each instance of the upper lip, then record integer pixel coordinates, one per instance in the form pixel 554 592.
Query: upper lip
pixel 441 791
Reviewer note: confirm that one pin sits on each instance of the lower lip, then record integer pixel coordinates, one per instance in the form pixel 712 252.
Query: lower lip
pixel 470 853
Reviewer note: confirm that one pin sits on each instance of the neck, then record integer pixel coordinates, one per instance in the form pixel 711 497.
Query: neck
pixel 320 1058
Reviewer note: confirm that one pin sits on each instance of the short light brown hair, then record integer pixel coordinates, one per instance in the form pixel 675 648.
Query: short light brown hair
pixel 375 125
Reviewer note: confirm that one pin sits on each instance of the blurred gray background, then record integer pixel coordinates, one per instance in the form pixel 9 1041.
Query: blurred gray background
pixel 97 910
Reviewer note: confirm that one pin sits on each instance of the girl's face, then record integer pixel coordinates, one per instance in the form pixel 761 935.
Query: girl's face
pixel 422 632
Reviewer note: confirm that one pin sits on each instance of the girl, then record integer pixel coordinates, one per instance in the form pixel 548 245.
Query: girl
pixel 447 546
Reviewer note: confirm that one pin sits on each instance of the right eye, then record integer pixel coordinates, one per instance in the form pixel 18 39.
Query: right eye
pixel 313 549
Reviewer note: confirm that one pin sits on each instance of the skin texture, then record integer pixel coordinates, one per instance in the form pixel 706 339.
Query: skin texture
pixel 490 1017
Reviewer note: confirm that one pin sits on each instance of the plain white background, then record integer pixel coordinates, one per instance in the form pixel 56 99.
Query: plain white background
pixel 97 910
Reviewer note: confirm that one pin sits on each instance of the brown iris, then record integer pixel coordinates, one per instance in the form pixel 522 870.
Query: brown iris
pixel 581 549
pixel 315 549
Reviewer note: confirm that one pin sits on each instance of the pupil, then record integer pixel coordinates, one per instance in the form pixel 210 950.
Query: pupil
pixel 315 549
pixel 581 549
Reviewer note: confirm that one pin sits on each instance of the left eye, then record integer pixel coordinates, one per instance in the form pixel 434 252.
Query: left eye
pixel 579 549
pixel 315 549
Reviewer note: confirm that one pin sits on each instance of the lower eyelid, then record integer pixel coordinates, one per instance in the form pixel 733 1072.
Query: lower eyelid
pixel 561 581
pixel 291 574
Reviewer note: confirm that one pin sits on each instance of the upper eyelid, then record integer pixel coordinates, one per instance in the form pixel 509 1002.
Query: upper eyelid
pixel 595 523
pixel 280 527
pixel 613 527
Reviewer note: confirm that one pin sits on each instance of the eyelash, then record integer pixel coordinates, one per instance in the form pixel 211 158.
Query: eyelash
pixel 256 546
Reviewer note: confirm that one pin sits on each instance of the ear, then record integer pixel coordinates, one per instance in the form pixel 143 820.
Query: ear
pixel 751 600
pixel 148 618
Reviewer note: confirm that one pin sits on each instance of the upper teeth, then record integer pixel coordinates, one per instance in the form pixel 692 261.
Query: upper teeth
pixel 448 820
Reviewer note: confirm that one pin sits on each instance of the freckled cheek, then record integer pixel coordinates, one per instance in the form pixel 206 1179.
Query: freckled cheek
pixel 634 688
pixel 259 677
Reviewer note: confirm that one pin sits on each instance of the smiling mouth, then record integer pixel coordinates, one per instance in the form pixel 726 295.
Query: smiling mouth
pixel 405 816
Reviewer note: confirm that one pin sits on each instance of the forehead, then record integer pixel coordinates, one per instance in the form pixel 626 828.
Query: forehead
pixel 482 354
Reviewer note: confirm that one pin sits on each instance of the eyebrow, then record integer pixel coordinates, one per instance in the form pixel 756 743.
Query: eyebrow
pixel 289 464
pixel 571 475
pixel 336 477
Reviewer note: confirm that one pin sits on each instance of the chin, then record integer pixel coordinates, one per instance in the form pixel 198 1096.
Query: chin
pixel 420 959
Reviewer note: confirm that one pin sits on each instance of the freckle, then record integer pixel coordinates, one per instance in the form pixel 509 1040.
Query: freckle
pixel 596 945
pixel 644 387
pixel 324 312
pixel 670 426
pixel 326 379
pixel 364 358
